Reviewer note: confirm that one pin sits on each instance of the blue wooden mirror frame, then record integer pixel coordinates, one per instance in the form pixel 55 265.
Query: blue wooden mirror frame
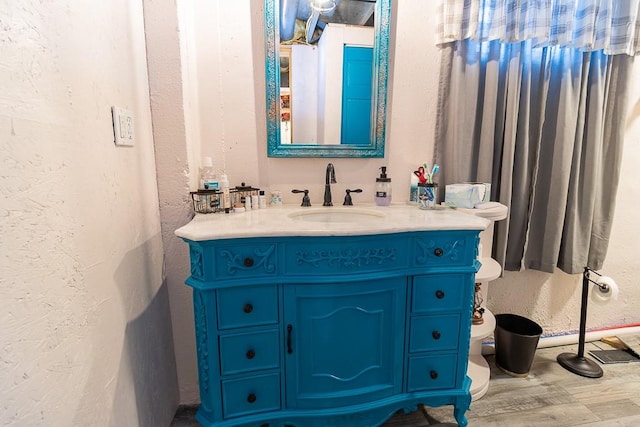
pixel 379 100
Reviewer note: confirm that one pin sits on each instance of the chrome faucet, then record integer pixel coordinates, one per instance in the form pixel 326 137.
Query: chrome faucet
pixel 330 178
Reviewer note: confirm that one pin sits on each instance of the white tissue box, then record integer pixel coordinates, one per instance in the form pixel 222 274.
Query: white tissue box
pixel 467 195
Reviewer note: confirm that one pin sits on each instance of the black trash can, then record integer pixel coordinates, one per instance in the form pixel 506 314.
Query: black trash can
pixel 516 342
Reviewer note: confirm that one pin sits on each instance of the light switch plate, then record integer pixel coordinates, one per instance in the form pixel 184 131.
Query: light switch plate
pixel 123 126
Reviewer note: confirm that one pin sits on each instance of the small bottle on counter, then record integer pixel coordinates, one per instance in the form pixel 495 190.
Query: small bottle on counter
pixel 262 200
pixel 383 188
pixel 413 190
pixel 226 197
pixel 255 200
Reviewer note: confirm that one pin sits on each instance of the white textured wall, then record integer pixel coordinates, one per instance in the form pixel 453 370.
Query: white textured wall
pixel 85 336
pixel 173 92
pixel 229 58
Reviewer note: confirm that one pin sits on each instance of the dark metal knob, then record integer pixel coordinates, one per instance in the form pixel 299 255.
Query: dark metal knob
pixel 251 354
pixel 248 262
pixel 438 251
pixel 436 335
pixel 439 294
pixel 251 398
pixel 433 375
pixel 248 308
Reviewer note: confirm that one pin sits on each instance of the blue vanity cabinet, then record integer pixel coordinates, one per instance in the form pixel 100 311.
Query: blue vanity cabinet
pixel 438 334
pixel 238 342
pixel 344 342
pixel 312 331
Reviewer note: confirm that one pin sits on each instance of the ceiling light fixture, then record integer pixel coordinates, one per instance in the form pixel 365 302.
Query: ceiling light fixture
pixel 323 6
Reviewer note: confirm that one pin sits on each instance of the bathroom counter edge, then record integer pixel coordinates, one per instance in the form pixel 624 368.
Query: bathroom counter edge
pixel 276 222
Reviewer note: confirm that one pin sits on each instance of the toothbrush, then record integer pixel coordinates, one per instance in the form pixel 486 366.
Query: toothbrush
pixel 425 167
pixel 434 171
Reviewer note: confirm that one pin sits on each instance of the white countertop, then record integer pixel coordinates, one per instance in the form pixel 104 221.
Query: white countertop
pixel 282 221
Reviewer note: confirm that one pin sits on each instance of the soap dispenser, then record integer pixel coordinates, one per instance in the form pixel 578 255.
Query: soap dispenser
pixel 383 188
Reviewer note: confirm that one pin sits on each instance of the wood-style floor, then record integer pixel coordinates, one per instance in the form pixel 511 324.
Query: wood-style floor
pixel 551 396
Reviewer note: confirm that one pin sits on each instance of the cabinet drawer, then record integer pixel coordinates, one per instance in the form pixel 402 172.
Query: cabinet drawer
pixel 445 249
pixel 250 395
pixel 438 292
pixel 432 372
pixel 429 333
pixel 249 352
pixel 247 306
pixel 245 260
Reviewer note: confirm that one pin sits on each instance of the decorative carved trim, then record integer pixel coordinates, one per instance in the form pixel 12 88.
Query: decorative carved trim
pixel 200 315
pixel 346 258
pixel 235 262
pixel 272 68
pixel 451 249
pixel 197 264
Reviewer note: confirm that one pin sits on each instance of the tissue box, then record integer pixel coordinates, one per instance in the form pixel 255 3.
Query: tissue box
pixel 467 195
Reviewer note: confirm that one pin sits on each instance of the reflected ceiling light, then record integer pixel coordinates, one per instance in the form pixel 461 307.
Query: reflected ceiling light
pixel 323 6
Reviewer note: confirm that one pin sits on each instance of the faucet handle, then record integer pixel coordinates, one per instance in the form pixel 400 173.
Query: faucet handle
pixel 305 199
pixel 347 198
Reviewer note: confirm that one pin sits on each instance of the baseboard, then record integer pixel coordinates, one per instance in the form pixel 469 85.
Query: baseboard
pixel 568 339
pixel 186 411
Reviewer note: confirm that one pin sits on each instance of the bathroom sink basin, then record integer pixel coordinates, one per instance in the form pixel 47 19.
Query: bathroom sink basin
pixel 337 215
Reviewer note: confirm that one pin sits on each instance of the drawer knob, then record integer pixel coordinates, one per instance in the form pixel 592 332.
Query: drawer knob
pixel 438 251
pixel 251 354
pixel 439 294
pixel 248 262
pixel 248 308
pixel 433 375
pixel 435 335
pixel 251 398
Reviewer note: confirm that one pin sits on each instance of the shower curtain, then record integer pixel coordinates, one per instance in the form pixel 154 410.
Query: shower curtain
pixel 544 125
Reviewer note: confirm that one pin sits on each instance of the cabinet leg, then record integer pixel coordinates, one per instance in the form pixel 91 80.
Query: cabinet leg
pixel 458 413
pixel 460 408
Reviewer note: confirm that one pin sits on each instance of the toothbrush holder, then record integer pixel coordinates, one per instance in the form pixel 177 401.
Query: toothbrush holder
pixel 427 195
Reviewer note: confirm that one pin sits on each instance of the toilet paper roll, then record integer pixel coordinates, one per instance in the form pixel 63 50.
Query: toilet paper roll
pixel 610 291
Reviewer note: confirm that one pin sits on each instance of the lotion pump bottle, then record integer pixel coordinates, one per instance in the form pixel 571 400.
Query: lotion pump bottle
pixel 383 188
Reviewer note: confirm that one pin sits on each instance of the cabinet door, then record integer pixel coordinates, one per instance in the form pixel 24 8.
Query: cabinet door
pixel 344 342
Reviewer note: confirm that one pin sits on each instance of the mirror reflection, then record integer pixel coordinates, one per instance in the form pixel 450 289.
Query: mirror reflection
pixel 329 71
pixel 326 66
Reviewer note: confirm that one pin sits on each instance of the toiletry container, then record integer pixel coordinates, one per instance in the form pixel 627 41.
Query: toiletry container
pixel 226 197
pixel 262 200
pixel 208 179
pixel 413 190
pixel 383 188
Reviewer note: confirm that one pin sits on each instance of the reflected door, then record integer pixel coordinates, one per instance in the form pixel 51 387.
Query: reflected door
pixel 356 95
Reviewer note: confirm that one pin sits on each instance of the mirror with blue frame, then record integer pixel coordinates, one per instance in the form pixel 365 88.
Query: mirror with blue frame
pixel 326 77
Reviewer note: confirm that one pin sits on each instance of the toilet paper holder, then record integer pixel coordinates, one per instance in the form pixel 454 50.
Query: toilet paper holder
pixel 605 288
pixel 577 363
